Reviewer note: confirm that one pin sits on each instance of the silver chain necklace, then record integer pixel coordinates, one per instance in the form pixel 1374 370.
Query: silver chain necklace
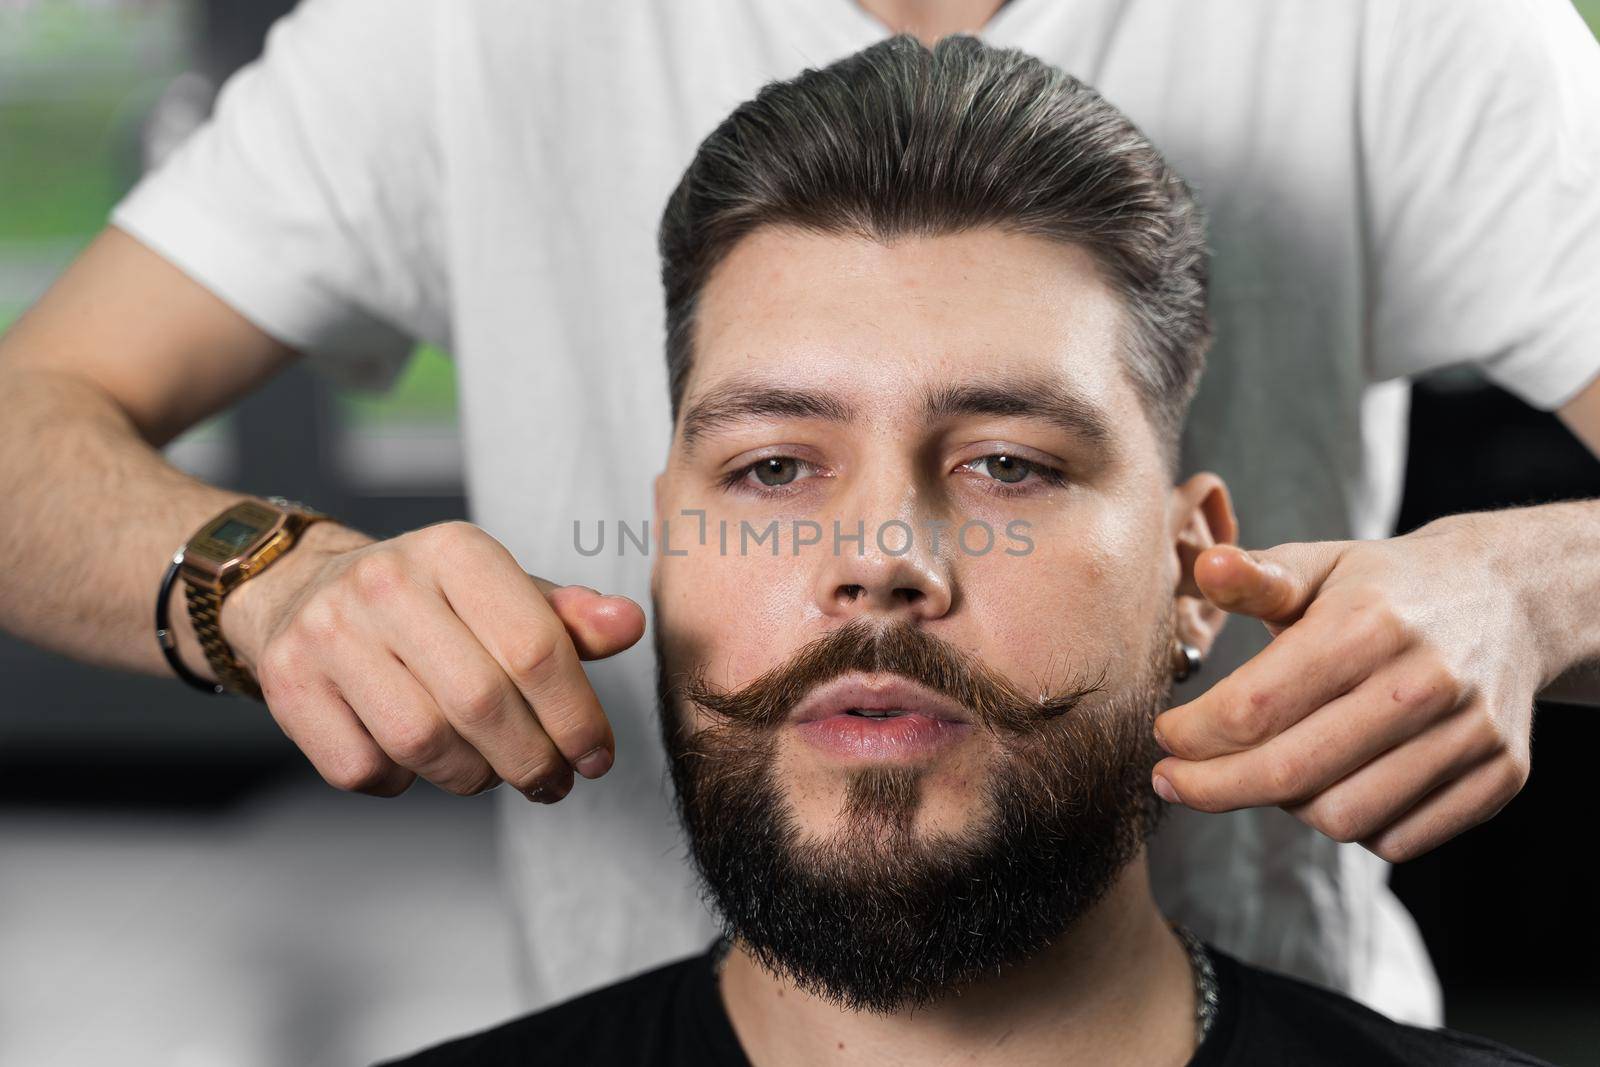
pixel 1206 995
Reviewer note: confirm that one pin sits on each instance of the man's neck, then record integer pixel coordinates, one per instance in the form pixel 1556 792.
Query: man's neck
pixel 1116 989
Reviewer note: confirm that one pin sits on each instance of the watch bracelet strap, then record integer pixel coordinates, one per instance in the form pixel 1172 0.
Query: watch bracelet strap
pixel 205 609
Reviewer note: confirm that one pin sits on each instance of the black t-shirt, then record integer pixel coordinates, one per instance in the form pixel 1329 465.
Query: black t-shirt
pixel 674 1016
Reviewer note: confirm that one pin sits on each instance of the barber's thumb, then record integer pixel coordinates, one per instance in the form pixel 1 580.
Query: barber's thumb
pixel 1274 585
pixel 599 624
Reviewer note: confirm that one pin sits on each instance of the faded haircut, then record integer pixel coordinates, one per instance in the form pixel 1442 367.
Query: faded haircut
pixel 899 140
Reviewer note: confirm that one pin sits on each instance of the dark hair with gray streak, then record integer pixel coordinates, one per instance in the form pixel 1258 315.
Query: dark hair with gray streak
pixel 899 140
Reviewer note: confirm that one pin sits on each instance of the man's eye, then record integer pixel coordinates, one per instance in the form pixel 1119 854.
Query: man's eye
pixel 773 472
pixel 1013 470
pixel 776 470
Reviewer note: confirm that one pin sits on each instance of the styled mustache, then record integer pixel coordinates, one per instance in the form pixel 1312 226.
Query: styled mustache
pixel 993 701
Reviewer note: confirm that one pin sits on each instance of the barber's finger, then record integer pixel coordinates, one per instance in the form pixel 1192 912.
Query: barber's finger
pixel 475 695
pixel 600 624
pixel 1388 709
pixel 506 611
pixel 1378 794
pixel 1274 585
pixel 1458 806
pixel 1329 652
pixel 314 716
pixel 404 719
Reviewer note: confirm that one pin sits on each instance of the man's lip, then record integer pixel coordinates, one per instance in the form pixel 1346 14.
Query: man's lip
pixel 875 692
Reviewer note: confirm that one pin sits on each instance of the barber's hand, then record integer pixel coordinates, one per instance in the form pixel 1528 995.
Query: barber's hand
pixel 433 654
pixel 1394 704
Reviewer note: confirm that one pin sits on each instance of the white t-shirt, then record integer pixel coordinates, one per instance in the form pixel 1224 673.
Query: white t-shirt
pixel 1391 187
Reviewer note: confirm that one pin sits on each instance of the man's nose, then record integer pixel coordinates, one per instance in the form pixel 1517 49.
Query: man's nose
pixel 890 571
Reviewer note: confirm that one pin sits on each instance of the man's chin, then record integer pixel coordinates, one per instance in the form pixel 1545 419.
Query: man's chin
pixel 872 908
pixel 889 805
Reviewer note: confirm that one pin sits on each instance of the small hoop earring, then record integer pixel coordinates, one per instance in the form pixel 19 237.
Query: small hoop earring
pixel 1185 661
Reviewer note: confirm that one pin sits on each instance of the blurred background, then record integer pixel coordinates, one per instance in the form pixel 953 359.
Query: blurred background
pixel 177 887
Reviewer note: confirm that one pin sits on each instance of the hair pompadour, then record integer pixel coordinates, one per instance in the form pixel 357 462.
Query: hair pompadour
pixel 902 140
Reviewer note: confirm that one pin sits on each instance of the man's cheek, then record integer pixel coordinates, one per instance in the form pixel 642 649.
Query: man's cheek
pixel 694 598
pixel 1066 607
pixel 764 603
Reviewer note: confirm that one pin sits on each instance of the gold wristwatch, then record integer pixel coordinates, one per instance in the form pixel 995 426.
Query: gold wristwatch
pixel 235 546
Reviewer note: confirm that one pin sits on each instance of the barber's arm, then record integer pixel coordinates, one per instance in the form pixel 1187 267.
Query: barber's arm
pixel 430 654
pixel 1394 705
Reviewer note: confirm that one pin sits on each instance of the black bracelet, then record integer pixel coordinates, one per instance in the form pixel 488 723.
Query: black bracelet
pixel 169 643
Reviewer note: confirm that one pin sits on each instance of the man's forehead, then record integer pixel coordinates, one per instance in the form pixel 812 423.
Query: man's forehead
pixel 924 321
pixel 791 286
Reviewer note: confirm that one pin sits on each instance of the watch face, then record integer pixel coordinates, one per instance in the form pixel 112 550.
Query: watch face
pixel 233 534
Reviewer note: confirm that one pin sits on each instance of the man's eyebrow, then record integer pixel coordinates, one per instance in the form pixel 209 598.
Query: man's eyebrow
pixel 1028 398
pixel 734 403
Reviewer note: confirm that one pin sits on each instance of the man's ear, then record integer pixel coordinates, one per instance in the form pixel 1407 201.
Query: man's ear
pixel 1201 516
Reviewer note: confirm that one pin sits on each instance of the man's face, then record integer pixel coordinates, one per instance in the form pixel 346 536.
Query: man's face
pixel 906 758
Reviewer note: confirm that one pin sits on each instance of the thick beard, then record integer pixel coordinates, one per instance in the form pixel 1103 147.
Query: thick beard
pixel 881 919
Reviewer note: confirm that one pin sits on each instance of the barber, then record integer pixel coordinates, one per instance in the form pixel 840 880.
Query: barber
pixel 1390 188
